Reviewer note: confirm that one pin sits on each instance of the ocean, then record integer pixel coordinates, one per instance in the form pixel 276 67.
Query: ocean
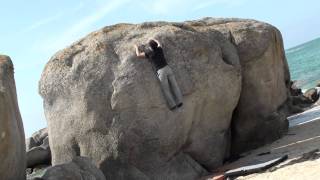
pixel 304 63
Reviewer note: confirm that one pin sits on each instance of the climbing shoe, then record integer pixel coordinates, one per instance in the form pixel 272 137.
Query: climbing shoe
pixel 173 108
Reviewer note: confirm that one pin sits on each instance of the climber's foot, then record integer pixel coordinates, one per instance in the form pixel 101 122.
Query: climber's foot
pixel 173 108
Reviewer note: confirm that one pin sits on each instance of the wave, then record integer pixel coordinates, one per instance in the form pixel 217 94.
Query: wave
pixel 294 49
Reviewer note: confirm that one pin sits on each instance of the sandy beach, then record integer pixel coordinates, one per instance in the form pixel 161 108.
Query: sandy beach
pixel 301 144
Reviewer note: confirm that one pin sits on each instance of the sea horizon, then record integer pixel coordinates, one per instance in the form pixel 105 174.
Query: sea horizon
pixel 304 60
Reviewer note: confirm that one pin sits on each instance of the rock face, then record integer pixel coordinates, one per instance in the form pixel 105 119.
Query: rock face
pixel 38 149
pixel 79 168
pixel 259 116
pixel 12 141
pixel 311 94
pixel 102 102
pixel 36 139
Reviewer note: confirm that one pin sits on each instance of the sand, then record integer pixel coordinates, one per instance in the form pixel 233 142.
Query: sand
pixel 301 144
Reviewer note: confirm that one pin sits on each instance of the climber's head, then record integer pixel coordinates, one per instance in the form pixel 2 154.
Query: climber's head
pixel 153 44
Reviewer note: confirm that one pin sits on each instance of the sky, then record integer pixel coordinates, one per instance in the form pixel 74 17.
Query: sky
pixel 31 31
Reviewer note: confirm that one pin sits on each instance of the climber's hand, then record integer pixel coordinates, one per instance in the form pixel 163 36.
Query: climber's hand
pixel 138 53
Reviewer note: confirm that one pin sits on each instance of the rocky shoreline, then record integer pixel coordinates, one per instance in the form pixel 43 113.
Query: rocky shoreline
pixel 107 118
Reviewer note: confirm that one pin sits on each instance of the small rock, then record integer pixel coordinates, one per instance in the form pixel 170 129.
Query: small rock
pixel 79 168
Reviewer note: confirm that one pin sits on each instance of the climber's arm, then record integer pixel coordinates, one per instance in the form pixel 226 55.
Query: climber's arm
pixel 159 45
pixel 138 53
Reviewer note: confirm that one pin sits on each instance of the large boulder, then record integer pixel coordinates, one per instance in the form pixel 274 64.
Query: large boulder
pixel 12 140
pixel 103 102
pixel 260 116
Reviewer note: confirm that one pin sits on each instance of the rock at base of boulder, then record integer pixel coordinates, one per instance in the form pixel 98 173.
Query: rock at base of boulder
pixel 38 149
pixel 36 172
pixel 36 139
pixel 182 166
pixel 79 168
pixel 311 94
pixel 262 134
pixel 39 155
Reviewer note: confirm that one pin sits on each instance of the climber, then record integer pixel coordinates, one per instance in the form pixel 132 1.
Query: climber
pixel 154 53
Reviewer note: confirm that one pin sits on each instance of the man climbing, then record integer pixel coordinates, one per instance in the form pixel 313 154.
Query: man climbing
pixel 154 53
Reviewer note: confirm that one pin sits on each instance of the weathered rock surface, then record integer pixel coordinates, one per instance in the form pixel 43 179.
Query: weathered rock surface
pixel 102 102
pixel 311 94
pixel 258 117
pixel 36 171
pixel 79 168
pixel 297 102
pixel 294 90
pixel 39 155
pixel 38 149
pixel 12 140
pixel 36 139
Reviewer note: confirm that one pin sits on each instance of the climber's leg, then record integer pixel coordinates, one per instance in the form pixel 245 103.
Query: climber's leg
pixel 175 87
pixel 164 82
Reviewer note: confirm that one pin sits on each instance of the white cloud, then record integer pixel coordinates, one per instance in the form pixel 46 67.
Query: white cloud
pixel 155 7
pixel 81 27
pixel 48 20
pixel 165 6
pixel 208 3
pixel 162 7
pixel 43 22
pixel 171 7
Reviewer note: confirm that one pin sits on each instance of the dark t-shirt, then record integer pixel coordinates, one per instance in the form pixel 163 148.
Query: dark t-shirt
pixel 156 57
